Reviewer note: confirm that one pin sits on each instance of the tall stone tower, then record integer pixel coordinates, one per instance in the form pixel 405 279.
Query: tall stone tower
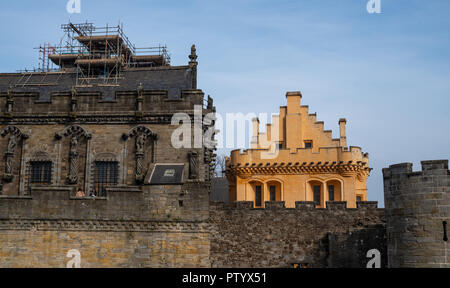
pixel 417 214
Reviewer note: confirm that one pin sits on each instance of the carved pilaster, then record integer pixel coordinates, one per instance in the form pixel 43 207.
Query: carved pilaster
pixel 140 144
pixel 193 165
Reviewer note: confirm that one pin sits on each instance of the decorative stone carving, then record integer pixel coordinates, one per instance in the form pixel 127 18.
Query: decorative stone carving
pixel 72 178
pixel 140 143
pixel 193 56
pixel 15 136
pixel 77 133
pixel 141 134
pixel 193 165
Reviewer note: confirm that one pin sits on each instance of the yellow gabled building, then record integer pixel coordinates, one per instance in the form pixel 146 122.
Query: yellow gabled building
pixel 297 160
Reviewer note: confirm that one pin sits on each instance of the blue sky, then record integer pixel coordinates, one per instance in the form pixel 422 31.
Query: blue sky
pixel 388 74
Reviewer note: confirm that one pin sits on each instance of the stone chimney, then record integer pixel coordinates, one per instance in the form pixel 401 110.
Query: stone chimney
pixel 342 137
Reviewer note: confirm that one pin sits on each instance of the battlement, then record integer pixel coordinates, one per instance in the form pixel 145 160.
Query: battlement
pixel 330 154
pixel 299 206
pixel 417 206
pixel 276 236
pixel 406 169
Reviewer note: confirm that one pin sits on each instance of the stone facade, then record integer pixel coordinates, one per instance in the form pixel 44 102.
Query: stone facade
pixel 63 134
pixel 417 213
pixel 276 236
pixel 130 227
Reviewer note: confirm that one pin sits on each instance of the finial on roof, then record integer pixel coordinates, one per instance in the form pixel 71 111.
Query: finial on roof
pixel 193 55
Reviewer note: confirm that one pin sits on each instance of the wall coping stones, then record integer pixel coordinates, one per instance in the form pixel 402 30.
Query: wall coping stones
pixel 299 205
pixel 336 205
pixel 275 204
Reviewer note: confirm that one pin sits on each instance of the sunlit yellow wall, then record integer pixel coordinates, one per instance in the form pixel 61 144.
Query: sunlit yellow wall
pixel 279 158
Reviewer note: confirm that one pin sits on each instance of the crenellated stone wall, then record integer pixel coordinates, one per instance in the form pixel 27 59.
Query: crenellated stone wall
pixel 417 214
pixel 276 236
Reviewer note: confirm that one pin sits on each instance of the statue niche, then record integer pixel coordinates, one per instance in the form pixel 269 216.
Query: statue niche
pixel 72 178
pixel 15 138
pixel 143 136
pixel 77 134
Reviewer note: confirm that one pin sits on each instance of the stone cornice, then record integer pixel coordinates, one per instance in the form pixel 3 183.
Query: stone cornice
pixel 345 169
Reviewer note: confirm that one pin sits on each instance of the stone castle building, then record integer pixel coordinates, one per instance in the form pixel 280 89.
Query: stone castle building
pixel 297 160
pixel 100 124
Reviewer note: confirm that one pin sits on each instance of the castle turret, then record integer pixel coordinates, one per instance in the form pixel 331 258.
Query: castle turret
pixel 417 213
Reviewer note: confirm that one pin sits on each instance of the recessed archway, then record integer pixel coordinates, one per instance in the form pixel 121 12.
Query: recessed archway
pixel 334 190
pixel 275 190
pixel 315 192
pixel 256 194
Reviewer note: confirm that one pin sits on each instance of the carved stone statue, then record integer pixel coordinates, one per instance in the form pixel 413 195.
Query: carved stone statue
pixel 73 161
pixel 12 142
pixel 73 145
pixel 140 142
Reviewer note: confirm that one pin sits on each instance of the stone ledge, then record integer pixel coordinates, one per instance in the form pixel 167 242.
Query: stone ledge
pixel 104 226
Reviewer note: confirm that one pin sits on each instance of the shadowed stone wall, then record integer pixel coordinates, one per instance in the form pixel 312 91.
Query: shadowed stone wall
pixel 281 237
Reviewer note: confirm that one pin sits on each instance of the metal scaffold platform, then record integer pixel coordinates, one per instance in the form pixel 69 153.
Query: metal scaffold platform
pixel 98 55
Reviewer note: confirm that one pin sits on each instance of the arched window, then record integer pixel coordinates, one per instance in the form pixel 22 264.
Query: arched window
pixel 334 189
pixel 274 188
pixel 316 193
pixel 257 193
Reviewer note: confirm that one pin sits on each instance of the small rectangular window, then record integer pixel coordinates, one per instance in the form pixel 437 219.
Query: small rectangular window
pixel 106 174
pixel 358 198
pixel 272 193
pixel 317 195
pixel 331 192
pixel 258 196
pixel 308 144
pixel 41 172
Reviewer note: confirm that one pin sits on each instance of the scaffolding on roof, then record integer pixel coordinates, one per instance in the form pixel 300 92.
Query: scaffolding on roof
pixel 98 55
